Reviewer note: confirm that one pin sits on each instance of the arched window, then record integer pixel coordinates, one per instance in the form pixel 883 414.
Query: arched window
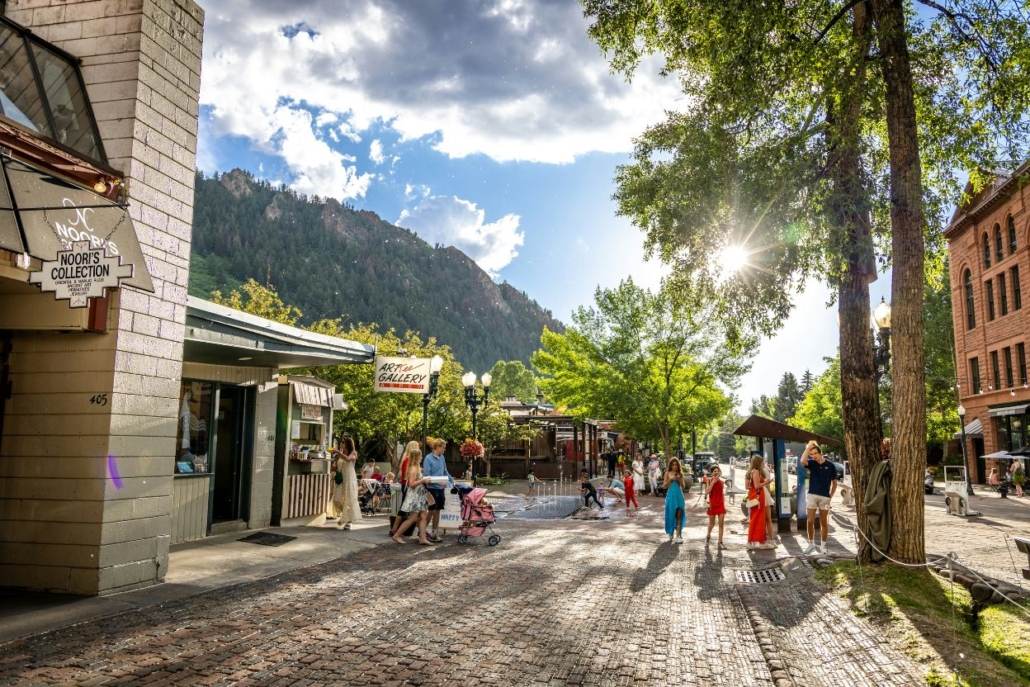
pixel 967 279
pixel 999 251
pixel 987 251
pixel 1012 236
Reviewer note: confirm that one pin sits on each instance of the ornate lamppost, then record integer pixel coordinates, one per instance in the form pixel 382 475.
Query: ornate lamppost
pixel 965 460
pixel 435 365
pixel 473 401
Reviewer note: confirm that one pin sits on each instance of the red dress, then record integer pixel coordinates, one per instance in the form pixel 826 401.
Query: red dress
pixel 756 525
pixel 716 501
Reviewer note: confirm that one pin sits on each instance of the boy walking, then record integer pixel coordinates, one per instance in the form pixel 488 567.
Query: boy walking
pixel 588 491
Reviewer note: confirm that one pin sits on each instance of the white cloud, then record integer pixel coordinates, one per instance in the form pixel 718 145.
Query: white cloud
pixel 451 221
pixel 416 191
pixel 375 152
pixel 521 82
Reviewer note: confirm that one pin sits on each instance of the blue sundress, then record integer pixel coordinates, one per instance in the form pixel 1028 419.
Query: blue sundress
pixel 673 500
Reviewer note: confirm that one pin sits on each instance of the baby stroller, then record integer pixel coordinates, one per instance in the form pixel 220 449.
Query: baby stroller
pixel 370 493
pixel 476 514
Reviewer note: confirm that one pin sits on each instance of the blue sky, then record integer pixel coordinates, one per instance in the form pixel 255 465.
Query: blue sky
pixel 491 126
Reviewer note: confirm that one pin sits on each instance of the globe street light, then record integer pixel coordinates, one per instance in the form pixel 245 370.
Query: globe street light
pixel 435 365
pixel 881 350
pixel 965 461
pixel 473 401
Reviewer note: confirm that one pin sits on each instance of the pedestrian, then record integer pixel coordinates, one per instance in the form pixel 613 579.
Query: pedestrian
pixel 654 471
pixel 769 503
pixel 716 504
pixel 631 491
pixel 638 474
pixel 675 504
pixel 531 487
pixel 756 531
pixel 822 484
pixel 588 491
pixel 994 479
pixel 400 516
pixel 368 469
pixel 344 504
pixel 435 465
pixel 416 503
pixel 1018 476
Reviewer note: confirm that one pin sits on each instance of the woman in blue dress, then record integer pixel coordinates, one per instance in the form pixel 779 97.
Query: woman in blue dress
pixel 675 504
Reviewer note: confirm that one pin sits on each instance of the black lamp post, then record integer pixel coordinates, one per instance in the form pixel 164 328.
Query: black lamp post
pixel 435 365
pixel 965 460
pixel 473 401
pixel 881 350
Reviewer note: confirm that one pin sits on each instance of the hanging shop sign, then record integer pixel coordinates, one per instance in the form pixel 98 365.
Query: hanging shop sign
pixel 81 273
pixel 402 375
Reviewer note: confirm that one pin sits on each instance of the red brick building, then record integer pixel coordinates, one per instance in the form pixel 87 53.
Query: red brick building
pixel 989 250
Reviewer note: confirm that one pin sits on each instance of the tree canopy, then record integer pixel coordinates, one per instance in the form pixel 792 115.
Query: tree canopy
pixel 511 378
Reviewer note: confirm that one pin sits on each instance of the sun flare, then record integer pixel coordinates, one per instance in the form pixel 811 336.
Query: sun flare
pixel 733 259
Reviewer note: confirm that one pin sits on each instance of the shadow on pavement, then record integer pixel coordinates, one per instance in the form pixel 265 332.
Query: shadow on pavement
pixel 662 557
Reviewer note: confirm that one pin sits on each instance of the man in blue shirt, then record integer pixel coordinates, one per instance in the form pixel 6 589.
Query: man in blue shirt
pixel 822 484
pixel 434 465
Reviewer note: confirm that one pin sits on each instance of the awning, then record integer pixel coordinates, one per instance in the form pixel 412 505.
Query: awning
pixel 1003 411
pixel 758 426
pixel 311 395
pixel 41 214
pixel 217 335
pixel 974 430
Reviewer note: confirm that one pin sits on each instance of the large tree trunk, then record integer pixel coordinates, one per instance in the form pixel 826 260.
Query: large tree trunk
pixel 850 212
pixel 908 436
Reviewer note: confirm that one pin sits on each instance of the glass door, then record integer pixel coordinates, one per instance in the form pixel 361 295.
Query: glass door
pixel 229 445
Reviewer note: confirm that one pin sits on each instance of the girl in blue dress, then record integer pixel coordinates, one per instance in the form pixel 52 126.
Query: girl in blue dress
pixel 675 504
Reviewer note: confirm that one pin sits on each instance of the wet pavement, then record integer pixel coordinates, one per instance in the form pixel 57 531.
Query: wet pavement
pixel 557 602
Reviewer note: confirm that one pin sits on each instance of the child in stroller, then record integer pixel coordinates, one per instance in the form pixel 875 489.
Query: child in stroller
pixel 370 493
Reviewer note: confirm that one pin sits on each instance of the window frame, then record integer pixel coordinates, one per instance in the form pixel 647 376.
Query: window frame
pixel 1017 298
pixel 974 375
pixel 1003 296
pixel 999 246
pixel 1021 360
pixel 989 296
pixel 970 301
pixel 1006 355
pixel 995 372
pixel 1011 223
pixel 987 249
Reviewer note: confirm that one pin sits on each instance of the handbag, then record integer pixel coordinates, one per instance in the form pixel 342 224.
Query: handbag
pixel 753 503
pixel 338 477
pixel 429 498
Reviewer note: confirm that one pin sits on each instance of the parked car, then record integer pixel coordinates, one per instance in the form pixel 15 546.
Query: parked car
pixel 840 469
pixel 701 463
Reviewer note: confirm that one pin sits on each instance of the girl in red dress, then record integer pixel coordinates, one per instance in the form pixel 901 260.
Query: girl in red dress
pixel 756 531
pixel 716 503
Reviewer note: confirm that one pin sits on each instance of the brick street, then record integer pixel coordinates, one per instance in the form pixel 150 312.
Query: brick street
pixel 559 602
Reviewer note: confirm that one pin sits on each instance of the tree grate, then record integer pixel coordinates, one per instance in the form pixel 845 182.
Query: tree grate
pixel 760 576
pixel 267 539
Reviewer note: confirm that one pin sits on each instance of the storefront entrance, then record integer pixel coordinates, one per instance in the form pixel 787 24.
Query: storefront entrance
pixel 230 452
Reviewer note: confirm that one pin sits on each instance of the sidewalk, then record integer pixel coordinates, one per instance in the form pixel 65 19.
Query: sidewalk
pixel 193 568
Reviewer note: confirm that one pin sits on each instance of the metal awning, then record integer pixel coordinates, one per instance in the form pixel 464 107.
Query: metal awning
pixel 758 426
pixel 1003 411
pixel 41 214
pixel 974 430
pixel 218 335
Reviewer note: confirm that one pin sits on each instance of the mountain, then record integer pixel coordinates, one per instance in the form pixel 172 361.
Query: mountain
pixel 330 260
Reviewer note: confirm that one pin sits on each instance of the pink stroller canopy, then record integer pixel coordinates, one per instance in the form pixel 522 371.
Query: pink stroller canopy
pixel 475 496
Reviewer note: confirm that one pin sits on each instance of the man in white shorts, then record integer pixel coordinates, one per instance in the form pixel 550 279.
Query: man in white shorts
pixel 822 484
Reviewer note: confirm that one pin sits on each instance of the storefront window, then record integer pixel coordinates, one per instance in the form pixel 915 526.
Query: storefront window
pixel 72 125
pixel 193 438
pixel 1011 430
pixel 19 93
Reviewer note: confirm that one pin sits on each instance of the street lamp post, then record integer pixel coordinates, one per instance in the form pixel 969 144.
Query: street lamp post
pixel 965 460
pixel 881 351
pixel 473 401
pixel 435 365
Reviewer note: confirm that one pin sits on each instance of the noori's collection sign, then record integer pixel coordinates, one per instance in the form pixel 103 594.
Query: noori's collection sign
pixel 402 375
pixel 81 273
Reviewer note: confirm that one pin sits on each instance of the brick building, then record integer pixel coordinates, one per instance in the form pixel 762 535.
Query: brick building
pixel 989 250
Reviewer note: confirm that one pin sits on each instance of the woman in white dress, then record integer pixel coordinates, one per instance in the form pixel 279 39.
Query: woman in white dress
pixel 345 504
pixel 654 473
pixel 638 474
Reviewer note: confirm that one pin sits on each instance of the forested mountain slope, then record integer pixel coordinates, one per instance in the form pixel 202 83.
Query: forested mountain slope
pixel 330 260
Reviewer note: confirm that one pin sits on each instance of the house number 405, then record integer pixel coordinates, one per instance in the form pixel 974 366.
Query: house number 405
pixel 98 399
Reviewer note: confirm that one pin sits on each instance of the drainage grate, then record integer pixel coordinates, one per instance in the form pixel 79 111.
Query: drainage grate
pixel 760 576
pixel 267 539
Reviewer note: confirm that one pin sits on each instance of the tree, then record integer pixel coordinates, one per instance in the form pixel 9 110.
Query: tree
pixel 763 406
pixel 788 395
pixel 643 359
pixel 511 378
pixel 495 428
pixel 806 382
pixel 262 301
pixel 820 411
pixel 942 418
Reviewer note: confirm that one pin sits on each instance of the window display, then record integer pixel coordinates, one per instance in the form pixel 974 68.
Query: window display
pixel 193 434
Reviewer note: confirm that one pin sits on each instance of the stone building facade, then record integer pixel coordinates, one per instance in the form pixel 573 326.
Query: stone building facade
pixel 989 251
pixel 90 420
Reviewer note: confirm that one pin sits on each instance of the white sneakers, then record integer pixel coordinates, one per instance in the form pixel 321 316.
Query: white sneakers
pixel 810 549
pixel 679 540
pixel 822 548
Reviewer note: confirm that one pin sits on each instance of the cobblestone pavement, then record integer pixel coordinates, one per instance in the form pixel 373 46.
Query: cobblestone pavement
pixel 564 602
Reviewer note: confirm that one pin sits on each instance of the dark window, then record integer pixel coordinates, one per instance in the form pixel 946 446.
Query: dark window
pixel 193 438
pixel 995 371
pixel 1003 294
pixel 41 89
pixel 1007 354
pixel 1012 236
pixel 987 251
pixel 1011 431
pixel 974 375
pixel 1017 298
pixel 970 302
pixel 990 300
pixel 999 251
pixel 1021 359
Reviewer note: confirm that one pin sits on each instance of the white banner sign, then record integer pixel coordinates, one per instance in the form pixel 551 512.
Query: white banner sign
pixel 81 273
pixel 402 375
